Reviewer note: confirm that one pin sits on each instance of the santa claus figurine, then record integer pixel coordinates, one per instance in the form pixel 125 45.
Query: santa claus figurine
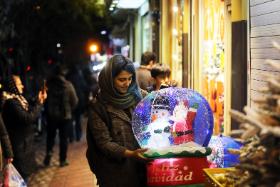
pixel 183 117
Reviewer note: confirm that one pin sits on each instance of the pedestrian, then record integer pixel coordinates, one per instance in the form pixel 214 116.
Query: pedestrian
pixel 76 77
pixel 19 116
pixel 62 100
pixel 161 78
pixel 113 153
pixel 6 152
pixel 6 147
pixel 144 79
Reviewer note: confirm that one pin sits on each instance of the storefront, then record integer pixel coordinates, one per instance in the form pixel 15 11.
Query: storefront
pixel 196 50
pixel 212 58
pixel 196 42
pixel 219 57
pixel 145 29
pixel 171 42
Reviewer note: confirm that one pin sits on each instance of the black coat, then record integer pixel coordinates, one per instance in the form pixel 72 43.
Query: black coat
pixel 70 96
pixel 107 160
pixel 5 142
pixel 19 124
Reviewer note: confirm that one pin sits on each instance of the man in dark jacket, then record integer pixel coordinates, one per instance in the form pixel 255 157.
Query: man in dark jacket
pixel 59 106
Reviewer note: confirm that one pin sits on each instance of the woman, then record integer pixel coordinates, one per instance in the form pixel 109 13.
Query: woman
pixel 6 152
pixel 18 117
pixel 6 148
pixel 113 152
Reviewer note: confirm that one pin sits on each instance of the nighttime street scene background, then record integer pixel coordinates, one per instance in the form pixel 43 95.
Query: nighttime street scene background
pixel 135 93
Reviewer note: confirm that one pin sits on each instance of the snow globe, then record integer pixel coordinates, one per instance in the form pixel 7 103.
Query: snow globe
pixel 221 157
pixel 176 125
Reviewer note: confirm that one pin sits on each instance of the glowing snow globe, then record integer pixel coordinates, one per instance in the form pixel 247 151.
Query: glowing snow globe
pixel 220 156
pixel 173 122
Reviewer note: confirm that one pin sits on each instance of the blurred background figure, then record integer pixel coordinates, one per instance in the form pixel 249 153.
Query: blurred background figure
pixel 160 74
pixel 6 152
pixel 76 77
pixel 60 104
pixel 143 73
pixel 91 81
pixel 19 116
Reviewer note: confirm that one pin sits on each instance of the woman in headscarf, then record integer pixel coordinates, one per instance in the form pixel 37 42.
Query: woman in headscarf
pixel 19 117
pixel 113 152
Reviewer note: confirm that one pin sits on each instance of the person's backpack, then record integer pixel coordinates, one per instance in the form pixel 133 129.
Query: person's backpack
pixel 94 154
pixel 56 102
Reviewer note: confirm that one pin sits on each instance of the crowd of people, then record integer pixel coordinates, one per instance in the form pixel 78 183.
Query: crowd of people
pixel 113 151
pixel 58 101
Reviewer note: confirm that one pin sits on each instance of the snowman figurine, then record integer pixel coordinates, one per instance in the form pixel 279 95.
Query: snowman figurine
pixel 182 117
pixel 160 126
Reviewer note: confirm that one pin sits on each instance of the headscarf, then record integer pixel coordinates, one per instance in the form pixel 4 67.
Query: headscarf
pixel 106 83
pixel 11 92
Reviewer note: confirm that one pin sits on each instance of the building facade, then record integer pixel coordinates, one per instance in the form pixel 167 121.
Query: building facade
pixel 264 40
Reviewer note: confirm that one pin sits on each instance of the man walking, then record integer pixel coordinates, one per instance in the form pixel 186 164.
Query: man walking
pixel 59 106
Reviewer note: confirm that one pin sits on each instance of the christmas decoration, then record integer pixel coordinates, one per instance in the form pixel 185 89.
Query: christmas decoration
pixel 220 156
pixel 172 116
pixel 176 125
pixel 260 156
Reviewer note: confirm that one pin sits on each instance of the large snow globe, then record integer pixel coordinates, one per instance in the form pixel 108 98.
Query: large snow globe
pixel 176 125
pixel 173 122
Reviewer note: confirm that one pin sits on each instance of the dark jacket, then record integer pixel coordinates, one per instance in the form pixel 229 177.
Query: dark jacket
pixel 76 77
pixel 19 124
pixel 70 99
pixel 108 162
pixel 5 143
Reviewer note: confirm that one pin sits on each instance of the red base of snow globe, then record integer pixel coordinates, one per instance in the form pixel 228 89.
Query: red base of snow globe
pixel 176 171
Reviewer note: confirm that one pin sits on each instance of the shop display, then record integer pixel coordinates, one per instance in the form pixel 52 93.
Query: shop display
pixel 176 125
pixel 213 60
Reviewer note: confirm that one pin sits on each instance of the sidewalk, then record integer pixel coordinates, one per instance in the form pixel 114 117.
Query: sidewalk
pixel 76 174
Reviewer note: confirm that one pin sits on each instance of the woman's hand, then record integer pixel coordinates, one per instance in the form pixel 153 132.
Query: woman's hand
pixel 9 160
pixel 42 96
pixel 137 154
